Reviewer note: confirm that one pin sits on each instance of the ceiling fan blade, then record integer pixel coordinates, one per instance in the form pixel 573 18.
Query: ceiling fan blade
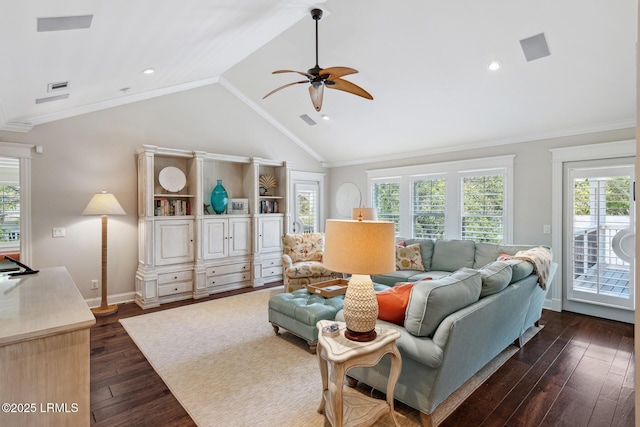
pixel 316 93
pixel 347 86
pixel 293 71
pixel 282 87
pixel 337 72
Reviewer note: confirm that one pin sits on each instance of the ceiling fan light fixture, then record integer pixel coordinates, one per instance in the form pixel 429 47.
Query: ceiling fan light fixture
pixel 319 77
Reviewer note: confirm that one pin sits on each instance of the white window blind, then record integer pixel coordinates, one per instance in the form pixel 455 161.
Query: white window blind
pixel 428 207
pixel 482 216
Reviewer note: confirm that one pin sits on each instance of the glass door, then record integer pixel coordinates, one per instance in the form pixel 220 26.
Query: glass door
pixel 600 234
pixel 306 216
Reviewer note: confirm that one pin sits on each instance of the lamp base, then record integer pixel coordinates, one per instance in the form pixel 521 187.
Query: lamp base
pixel 104 311
pixel 360 309
pixel 360 336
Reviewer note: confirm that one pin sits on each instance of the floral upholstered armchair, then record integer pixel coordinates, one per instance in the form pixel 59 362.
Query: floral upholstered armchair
pixel 302 261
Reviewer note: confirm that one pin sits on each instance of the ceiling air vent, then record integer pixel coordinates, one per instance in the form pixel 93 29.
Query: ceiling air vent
pixel 535 47
pixel 60 23
pixel 308 120
pixel 52 98
pixel 55 87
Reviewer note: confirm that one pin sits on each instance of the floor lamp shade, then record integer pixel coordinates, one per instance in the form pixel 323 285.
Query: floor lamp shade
pixel 360 248
pixel 104 204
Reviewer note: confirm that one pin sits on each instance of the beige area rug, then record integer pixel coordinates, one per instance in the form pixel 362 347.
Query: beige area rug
pixel 226 367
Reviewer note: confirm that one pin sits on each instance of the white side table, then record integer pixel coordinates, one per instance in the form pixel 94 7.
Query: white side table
pixel 342 406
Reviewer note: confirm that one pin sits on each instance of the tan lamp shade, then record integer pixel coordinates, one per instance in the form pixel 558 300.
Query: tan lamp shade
pixel 359 247
pixel 103 204
pixel 368 214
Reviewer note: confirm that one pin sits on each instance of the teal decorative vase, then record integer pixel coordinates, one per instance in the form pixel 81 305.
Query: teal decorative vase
pixel 219 198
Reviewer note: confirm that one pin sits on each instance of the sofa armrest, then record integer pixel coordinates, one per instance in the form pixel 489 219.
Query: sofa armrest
pixel 287 263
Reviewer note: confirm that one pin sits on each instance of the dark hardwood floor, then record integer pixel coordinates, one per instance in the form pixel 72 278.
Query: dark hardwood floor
pixel 577 371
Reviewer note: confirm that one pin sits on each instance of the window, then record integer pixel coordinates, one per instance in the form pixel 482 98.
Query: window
pixel 428 208
pixel 483 208
pixel 386 198
pixel 455 200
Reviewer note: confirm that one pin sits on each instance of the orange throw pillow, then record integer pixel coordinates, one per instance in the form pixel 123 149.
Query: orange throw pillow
pixel 392 303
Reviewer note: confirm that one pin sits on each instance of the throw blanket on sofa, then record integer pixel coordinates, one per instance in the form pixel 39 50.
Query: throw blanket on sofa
pixel 541 260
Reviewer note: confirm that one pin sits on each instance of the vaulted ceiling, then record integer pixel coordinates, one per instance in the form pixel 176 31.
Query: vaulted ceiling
pixel 424 62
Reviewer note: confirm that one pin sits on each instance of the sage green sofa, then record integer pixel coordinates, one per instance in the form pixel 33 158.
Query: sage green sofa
pixel 459 320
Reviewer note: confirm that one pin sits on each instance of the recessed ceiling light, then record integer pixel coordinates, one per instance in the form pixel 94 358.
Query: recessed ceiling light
pixel 148 71
pixel 325 117
pixel 494 65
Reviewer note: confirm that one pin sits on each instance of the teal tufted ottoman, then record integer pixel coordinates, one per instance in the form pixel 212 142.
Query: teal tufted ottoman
pixel 299 311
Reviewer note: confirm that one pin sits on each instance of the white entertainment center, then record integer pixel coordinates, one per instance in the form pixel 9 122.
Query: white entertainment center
pixel 185 251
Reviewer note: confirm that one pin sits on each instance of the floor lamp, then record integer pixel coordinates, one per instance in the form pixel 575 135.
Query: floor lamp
pixel 104 204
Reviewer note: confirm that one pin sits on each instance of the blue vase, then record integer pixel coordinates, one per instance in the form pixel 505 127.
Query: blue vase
pixel 219 198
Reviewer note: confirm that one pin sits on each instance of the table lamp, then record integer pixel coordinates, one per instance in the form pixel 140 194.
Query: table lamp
pixel 104 204
pixel 360 248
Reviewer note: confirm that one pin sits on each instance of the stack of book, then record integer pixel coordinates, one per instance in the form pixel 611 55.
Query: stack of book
pixel 269 206
pixel 171 207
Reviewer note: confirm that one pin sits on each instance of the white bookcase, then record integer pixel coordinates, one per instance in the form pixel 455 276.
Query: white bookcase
pixel 187 251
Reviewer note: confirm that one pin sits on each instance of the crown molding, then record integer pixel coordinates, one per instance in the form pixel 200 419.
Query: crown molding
pixel 269 118
pixel 18 126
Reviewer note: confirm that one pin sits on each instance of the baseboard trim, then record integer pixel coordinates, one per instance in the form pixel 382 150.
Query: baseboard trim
pixel 553 304
pixel 111 299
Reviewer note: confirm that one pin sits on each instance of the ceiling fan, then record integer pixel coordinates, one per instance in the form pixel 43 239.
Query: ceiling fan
pixel 319 78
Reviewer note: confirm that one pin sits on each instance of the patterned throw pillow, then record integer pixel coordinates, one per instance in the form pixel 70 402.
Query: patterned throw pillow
pixel 409 257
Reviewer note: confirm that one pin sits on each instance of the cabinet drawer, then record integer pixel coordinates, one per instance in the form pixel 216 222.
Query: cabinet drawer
pixel 179 276
pixel 231 268
pixel 228 278
pixel 272 262
pixel 175 288
pixel 271 271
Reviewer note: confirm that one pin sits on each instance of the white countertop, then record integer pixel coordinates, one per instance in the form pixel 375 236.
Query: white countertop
pixel 39 305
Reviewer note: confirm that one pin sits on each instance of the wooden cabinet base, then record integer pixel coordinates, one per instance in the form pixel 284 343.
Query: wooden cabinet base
pixel 45 381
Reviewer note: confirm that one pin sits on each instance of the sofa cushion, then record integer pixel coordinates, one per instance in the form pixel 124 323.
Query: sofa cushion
pixel 409 258
pixel 495 277
pixel 392 303
pixel 519 269
pixel 433 274
pixel 390 279
pixel 433 300
pixel 308 269
pixel 451 255
pixel 489 252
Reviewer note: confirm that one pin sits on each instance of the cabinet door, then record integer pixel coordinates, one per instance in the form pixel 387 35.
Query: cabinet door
pixel 173 242
pixel 239 236
pixel 215 242
pixel 270 235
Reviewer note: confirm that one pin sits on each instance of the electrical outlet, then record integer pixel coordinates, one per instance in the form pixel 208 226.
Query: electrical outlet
pixel 94 284
pixel 546 229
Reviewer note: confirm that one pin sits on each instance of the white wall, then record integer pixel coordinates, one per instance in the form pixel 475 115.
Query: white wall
pixel 532 178
pixel 86 154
